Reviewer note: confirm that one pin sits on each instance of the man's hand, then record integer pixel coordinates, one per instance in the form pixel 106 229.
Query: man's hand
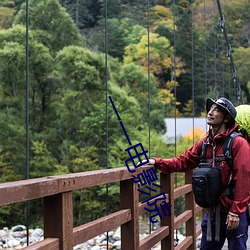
pixel 151 162
pixel 232 221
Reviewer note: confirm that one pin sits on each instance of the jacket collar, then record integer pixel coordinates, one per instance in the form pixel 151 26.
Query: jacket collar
pixel 221 136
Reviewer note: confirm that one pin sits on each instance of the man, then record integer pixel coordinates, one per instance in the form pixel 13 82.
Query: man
pixel 221 115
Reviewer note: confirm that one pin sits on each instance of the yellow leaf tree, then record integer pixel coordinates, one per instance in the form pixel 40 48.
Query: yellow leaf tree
pixel 156 53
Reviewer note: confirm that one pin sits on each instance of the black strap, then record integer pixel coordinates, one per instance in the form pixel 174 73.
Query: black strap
pixel 203 152
pixel 227 148
pixel 222 158
pixel 209 225
pixel 217 223
pixel 227 151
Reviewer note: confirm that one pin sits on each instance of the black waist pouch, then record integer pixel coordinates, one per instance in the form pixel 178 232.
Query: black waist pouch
pixel 206 183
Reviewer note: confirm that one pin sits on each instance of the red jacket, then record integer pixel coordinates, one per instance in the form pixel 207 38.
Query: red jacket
pixel 241 167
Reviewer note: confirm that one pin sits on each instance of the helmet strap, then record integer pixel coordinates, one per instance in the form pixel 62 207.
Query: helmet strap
pixel 219 127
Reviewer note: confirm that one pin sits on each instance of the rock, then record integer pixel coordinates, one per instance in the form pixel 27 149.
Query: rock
pixel 111 240
pixel 13 243
pixel 18 247
pixel 117 235
pixel 16 238
pixel 95 248
pixel 91 242
pixel 18 234
pixel 18 228
pixel 117 244
pixel 38 232
pixel 81 246
pixel 103 243
pixel 100 238
pixel 156 248
pixel 3 233
pixel 23 240
pixel 111 233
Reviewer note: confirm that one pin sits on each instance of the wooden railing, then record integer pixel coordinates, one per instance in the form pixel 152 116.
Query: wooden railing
pixel 59 232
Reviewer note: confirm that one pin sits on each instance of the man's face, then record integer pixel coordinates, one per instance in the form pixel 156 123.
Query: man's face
pixel 215 116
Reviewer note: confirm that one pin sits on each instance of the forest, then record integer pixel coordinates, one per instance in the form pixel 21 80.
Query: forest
pixel 156 59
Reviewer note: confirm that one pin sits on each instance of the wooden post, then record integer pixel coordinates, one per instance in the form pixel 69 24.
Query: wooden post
pixel 129 198
pixel 58 219
pixel 167 183
pixel 190 205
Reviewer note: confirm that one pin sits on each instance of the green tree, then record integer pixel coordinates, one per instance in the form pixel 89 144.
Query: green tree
pixel 161 16
pixel 118 31
pixel 80 101
pixel 42 163
pixel 12 124
pixel 84 13
pixel 6 17
pixel 13 148
pixel 13 60
pixel 161 57
pixel 53 25
pixel 135 82
pixel 242 64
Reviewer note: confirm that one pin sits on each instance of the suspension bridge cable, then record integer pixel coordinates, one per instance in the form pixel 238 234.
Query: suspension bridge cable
pixel 192 73
pixel 229 83
pixel 175 95
pixel 215 52
pixel 205 50
pixel 106 83
pixel 229 53
pixel 174 73
pixel 27 88
pixel 77 13
pixel 174 80
pixel 222 68
pixel 27 207
pixel 223 80
pixel 149 121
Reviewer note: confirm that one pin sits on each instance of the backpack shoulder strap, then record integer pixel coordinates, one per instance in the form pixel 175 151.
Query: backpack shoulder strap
pixel 227 148
pixel 203 152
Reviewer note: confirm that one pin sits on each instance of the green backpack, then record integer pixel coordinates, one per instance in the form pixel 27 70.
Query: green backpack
pixel 243 120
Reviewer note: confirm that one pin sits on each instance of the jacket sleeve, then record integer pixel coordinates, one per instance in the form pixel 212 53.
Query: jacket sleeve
pixel 185 162
pixel 241 175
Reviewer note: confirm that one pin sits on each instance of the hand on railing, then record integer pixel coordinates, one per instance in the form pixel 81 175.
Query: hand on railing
pixel 150 163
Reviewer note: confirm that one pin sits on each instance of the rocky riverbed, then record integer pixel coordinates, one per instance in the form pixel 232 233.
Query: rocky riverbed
pixel 16 238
